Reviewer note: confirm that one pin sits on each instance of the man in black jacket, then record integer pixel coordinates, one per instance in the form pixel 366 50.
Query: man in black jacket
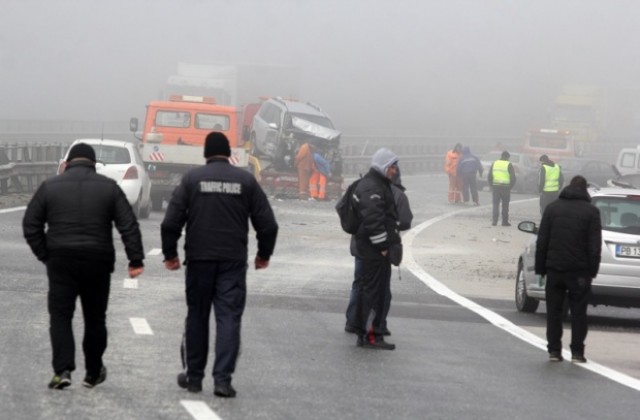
pixel 80 208
pixel 216 201
pixel 568 254
pixel 405 217
pixel 378 245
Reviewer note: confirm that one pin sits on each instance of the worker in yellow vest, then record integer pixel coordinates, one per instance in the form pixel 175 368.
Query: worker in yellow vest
pixel 502 178
pixel 550 182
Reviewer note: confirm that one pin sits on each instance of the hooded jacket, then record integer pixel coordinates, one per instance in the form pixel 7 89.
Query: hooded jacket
pixel 376 204
pixel 570 235
pixel 468 163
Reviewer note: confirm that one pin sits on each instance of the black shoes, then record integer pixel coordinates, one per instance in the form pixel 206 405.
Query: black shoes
pixel 506 224
pixel 374 343
pixel 185 383
pixel 350 329
pixel 555 356
pixel 60 381
pixel 578 358
pixel 494 223
pixel 91 381
pixel 224 391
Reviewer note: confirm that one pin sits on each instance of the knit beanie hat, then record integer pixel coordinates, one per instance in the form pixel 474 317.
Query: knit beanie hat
pixel 215 144
pixel 382 159
pixel 82 150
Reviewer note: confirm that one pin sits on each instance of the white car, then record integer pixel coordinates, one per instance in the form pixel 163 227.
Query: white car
pixel 121 161
pixel 618 280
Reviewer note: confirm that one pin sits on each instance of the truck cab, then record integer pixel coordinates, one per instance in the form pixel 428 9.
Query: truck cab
pixel 173 139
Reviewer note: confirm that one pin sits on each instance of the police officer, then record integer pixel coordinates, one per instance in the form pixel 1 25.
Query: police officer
pixel 502 178
pixel 216 201
pixel 550 182
pixel 378 245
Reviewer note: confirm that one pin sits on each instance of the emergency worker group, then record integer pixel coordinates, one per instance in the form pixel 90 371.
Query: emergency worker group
pixel 68 225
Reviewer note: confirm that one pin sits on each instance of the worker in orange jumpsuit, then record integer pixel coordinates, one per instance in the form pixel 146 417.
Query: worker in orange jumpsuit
pixel 318 180
pixel 455 182
pixel 304 164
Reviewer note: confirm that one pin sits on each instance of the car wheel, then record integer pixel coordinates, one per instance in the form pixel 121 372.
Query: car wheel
pixel 523 302
pixel 145 211
pixel 156 202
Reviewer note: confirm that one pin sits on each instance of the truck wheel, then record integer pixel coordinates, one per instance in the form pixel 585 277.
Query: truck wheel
pixel 156 202
pixel 523 302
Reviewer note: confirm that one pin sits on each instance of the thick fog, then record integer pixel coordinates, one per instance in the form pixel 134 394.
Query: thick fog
pixel 411 66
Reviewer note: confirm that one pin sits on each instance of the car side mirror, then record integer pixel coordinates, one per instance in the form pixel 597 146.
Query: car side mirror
pixel 528 227
pixel 133 124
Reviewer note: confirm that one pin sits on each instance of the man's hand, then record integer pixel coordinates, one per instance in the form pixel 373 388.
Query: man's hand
pixel 172 264
pixel 260 263
pixel 385 252
pixel 135 272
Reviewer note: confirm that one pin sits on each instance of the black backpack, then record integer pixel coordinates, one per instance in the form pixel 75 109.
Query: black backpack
pixel 347 209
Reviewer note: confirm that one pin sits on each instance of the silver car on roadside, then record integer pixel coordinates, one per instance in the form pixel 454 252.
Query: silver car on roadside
pixel 618 280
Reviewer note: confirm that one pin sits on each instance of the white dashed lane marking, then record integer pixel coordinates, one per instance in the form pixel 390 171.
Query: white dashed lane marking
pixel 199 410
pixel 130 283
pixel 140 326
pixel 155 251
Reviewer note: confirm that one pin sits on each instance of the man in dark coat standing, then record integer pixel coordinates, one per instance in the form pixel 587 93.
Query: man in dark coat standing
pixel 468 168
pixel 378 244
pixel 216 201
pixel 568 254
pixel 80 208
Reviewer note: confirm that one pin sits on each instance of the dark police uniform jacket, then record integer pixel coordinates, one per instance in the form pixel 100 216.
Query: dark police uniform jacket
pixel 216 201
pixel 379 227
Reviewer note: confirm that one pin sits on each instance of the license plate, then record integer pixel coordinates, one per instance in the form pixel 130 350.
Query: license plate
pixel 627 251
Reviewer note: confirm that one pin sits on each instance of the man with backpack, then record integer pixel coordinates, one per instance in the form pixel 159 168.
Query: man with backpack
pixel 378 244
pixel 405 217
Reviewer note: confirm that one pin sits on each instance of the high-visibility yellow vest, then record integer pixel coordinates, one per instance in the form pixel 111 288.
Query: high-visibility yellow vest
pixel 501 172
pixel 551 178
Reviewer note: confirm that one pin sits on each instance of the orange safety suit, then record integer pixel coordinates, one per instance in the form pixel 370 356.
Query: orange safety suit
pixel 455 182
pixel 304 164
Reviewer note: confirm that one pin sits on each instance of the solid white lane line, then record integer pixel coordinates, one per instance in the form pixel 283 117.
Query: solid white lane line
pixel 12 209
pixel 130 283
pixel 140 326
pixel 199 410
pixel 155 251
pixel 491 316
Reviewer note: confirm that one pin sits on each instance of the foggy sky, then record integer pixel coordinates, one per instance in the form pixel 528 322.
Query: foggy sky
pixel 416 66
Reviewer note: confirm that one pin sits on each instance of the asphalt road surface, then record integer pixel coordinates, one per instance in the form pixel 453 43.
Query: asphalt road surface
pixel 452 304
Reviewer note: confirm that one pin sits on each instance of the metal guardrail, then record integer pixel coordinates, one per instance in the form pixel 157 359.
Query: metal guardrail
pixel 27 160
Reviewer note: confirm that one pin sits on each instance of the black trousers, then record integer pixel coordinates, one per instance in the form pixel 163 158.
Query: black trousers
pixel 578 289
pixel 501 194
pixel 470 186
pixel 69 279
pixel 374 287
pixel 221 284
pixel 355 295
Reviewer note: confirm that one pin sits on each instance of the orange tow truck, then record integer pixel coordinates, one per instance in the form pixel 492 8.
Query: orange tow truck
pixel 173 138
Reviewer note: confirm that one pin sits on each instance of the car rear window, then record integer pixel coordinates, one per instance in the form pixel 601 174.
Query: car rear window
pixel 620 214
pixel 112 154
